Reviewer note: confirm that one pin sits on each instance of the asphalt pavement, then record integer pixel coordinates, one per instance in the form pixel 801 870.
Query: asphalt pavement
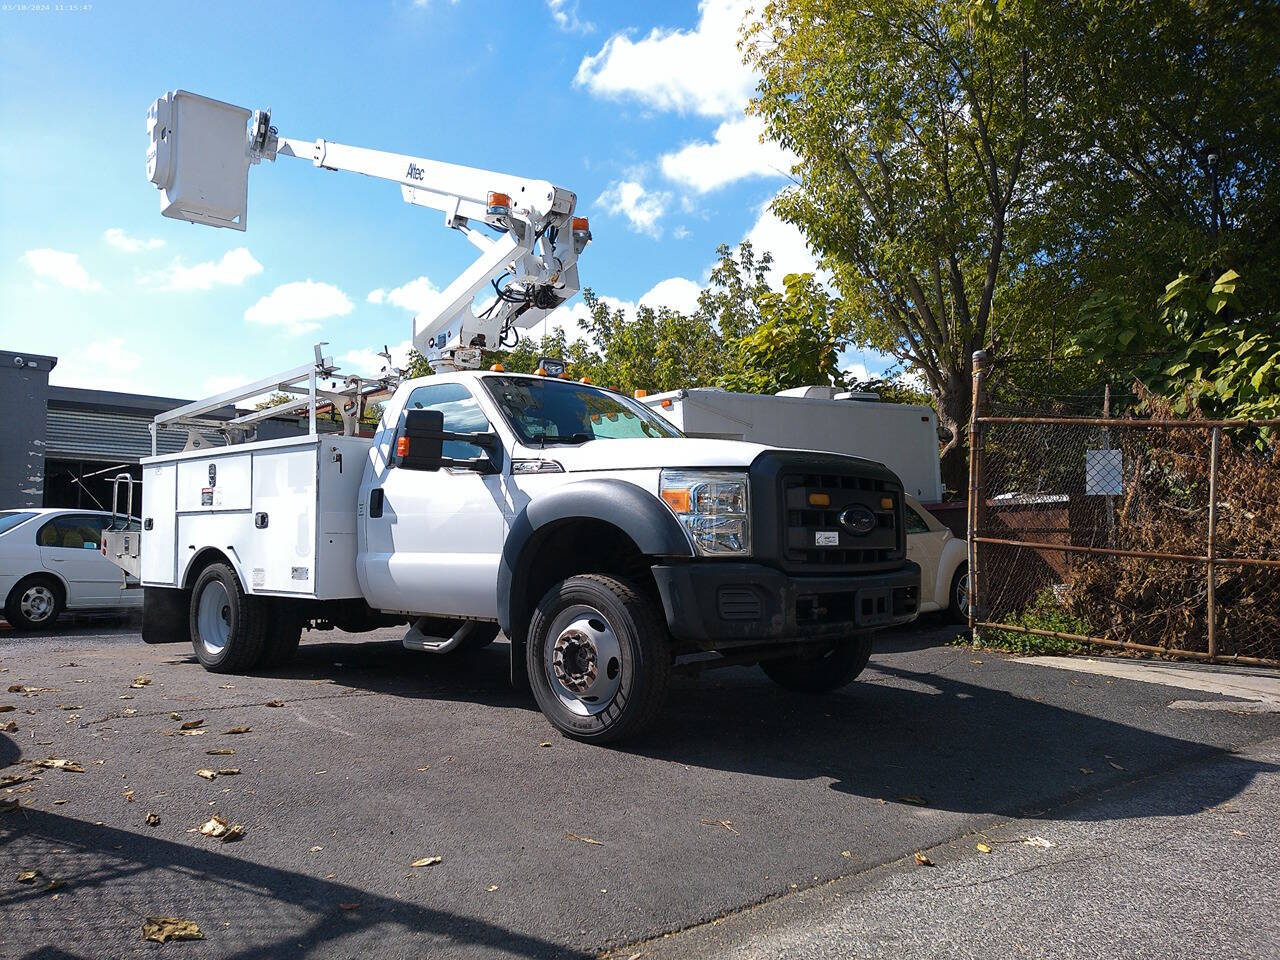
pixel 750 822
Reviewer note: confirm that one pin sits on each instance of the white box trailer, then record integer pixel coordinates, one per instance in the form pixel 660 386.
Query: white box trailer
pixel 904 437
pixel 284 512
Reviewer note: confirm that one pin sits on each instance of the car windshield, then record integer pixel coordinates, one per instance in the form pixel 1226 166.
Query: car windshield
pixel 544 411
pixel 11 518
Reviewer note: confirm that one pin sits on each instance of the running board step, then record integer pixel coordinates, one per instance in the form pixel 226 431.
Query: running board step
pixel 415 639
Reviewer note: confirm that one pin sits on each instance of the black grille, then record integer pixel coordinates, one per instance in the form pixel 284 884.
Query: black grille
pixel 813 535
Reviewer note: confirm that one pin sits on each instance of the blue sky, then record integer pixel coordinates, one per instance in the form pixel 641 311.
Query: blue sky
pixel 638 108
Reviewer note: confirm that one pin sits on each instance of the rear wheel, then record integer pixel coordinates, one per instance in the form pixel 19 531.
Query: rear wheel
pixel 598 658
pixel 958 599
pixel 283 633
pixel 34 603
pixel 823 671
pixel 228 626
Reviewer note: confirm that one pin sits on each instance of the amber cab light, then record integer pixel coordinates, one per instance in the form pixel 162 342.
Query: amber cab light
pixel 819 500
pixel 641 392
pixel 498 368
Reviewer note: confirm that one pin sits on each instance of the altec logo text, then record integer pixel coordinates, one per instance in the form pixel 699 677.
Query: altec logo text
pixel 415 172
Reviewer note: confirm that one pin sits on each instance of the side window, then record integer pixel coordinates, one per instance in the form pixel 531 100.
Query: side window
pixel 915 522
pixel 462 414
pixel 72 532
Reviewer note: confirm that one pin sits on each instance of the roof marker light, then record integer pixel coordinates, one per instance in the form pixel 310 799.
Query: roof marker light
pixel 498 205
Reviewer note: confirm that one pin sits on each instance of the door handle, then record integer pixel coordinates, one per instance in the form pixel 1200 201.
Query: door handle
pixel 375 502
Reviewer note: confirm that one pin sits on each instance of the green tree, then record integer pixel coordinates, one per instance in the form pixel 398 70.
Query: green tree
pixel 913 131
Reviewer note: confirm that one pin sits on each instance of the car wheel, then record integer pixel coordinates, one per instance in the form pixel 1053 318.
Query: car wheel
pixel 599 659
pixel 228 626
pixel 824 670
pixel 34 604
pixel 958 598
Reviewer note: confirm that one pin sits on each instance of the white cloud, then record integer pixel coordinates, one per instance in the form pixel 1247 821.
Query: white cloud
pixel 417 296
pixel 233 269
pixel 674 292
pixel 692 71
pixel 298 305
pixel 736 153
pixel 59 267
pixel 790 251
pixel 643 208
pixel 565 15
pixel 366 362
pixel 101 365
pixel 122 241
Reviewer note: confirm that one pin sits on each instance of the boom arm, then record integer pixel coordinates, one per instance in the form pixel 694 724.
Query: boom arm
pixel 528 238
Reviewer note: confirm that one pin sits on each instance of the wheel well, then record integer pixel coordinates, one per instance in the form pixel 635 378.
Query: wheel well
pixel 205 558
pixel 53 578
pixel 569 547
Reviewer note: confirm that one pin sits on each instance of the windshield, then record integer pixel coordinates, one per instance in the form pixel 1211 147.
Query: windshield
pixel 544 411
pixel 11 518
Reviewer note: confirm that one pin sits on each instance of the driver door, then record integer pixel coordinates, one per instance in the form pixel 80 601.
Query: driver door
pixel 433 538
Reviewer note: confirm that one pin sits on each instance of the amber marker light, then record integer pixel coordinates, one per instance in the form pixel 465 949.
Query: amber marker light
pixel 819 500
pixel 677 500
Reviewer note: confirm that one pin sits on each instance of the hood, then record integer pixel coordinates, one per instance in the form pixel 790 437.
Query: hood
pixel 652 453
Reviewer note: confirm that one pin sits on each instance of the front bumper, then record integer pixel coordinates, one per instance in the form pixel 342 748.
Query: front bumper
pixel 725 605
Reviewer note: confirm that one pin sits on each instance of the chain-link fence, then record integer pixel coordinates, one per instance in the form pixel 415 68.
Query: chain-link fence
pixel 1154 535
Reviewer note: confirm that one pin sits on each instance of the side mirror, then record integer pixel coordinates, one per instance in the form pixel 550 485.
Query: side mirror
pixel 421 444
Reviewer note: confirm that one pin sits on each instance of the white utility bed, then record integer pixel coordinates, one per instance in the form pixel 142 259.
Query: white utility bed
pixel 283 510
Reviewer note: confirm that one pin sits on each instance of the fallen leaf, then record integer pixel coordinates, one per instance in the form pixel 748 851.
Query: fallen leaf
pixel 192 733
pixel 1115 765
pixel 215 826
pixel 975 661
pixel 348 906
pixel 28 876
pixel 1086 771
pixel 175 716
pixel 545 743
pixel 128 795
pixel 164 929
pixel 235 730
pixel 6 707
pixel 234 832
pixel 220 752
pixel 923 860
pixel 70 706
pixel 426 861
pixel 58 803
pixel 845 853
pixel 9 726
pixel 1239 833
pixel 727 824
pixel 983 848
pixel 491 887
pixel 914 800
pixel 55 885
pixel 1040 842
pixel 139 682
pixel 315 849
pixel 574 836
pixel 427 767
pixel 228 771
pixel 274 703
pixel 191 724
pixel 55 763
pixel 207 774
pixel 152 819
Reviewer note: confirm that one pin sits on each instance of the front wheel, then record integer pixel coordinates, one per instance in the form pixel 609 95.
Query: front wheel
pixel 34 604
pixel 599 658
pixel 824 671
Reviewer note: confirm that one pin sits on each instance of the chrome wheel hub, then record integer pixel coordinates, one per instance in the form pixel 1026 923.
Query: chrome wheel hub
pixel 37 603
pixel 213 617
pixel 583 660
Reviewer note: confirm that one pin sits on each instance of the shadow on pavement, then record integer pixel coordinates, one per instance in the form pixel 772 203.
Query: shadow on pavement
pixel 273 912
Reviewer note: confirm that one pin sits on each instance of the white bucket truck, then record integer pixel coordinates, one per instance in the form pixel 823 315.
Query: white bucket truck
pixel 610 549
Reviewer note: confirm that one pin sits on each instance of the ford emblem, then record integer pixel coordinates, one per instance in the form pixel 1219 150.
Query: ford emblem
pixel 858 520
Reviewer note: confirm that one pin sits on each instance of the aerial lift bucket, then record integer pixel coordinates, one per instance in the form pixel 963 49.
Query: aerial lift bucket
pixel 198 156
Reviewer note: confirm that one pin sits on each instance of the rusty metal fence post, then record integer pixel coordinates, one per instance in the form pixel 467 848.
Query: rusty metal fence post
pixel 980 366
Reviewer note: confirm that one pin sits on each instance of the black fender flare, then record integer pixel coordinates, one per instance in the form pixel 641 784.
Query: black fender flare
pixel 633 510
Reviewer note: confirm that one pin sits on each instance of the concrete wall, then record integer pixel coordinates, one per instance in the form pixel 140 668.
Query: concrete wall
pixel 24 396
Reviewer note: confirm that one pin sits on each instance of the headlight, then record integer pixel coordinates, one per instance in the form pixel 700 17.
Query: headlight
pixel 712 506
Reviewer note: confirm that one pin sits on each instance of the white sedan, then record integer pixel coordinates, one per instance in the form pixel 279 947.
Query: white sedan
pixel 944 563
pixel 51 561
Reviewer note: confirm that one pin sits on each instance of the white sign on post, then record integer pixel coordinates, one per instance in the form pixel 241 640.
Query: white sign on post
pixel 1103 473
